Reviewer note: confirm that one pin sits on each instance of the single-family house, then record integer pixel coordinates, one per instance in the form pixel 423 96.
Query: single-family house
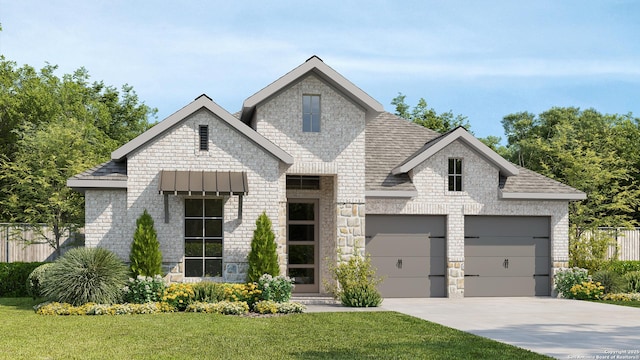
pixel 442 215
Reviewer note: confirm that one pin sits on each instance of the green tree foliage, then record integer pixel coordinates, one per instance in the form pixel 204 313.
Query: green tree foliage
pixel 53 128
pixel 423 115
pixel 145 255
pixel 263 258
pixel 35 181
pixel 590 151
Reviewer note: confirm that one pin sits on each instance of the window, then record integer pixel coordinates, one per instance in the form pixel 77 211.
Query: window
pixel 203 237
pixel 300 182
pixel 204 137
pixel 311 113
pixel 455 174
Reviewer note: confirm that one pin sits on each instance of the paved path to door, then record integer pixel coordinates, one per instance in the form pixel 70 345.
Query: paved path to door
pixel 565 329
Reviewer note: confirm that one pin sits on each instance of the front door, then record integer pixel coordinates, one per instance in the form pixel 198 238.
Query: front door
pixel 302 244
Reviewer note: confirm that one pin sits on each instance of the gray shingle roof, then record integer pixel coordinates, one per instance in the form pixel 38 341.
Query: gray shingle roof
pixel 389 141
pixel 529 181
pixel 109 170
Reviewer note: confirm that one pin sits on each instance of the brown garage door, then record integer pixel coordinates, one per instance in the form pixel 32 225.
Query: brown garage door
pixel 409 252
pixel 506 256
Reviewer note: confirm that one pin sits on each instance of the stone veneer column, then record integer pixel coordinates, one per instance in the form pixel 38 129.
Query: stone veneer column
pixel 350 226
pixel 455 253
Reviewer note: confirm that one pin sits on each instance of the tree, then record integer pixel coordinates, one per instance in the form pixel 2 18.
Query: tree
pixel 263 258
pixel 35 183
pixel 145 255
pixel 582 149
pixel 52 129
pixel 428 117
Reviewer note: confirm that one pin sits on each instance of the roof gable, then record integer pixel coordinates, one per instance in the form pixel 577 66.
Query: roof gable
pixel 439 143
pixel 203 101
pixel 316 66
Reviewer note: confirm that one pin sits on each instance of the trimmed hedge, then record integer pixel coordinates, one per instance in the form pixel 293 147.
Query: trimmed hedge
pixel 13 278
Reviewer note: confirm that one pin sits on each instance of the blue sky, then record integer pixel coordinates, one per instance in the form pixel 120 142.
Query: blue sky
pixel 481 59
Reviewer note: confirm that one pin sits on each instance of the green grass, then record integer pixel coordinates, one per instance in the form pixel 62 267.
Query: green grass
pixel 347 335
pixel 621 303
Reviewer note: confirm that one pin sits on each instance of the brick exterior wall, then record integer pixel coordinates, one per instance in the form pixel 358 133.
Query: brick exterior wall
pixel 336 154
pixel 480 197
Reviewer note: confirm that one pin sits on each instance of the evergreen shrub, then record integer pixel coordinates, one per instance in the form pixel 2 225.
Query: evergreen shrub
pixel 263 258
pixel 145 255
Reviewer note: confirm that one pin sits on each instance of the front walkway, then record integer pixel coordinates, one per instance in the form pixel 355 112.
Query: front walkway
pixel 565 329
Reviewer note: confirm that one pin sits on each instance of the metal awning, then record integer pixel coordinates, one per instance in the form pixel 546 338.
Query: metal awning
pixel 197 182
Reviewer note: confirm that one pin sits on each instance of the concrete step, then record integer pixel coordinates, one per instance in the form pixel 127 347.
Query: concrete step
pixel 314 299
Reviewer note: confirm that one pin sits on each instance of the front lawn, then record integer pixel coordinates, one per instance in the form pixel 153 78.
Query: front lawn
pixel 351 335
pixel 621 303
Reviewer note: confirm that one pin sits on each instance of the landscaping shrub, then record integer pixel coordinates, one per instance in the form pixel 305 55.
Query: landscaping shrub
pixel 611 281
pixel 222 307
pixel 622 267
pixel 84 275
pixel 277 288
pixel 13 278
pixel 248 293
pixel 632 280
pixel 361 295
pixel 208 291
pixel 587 290
pixel 622 297
pixel 56 308
pixel 565 279
pixel 263 258
pixel 35 280
pixel 145 255
pixel 143 289
pixel 357 283
pixel 272 307
pixel 179 295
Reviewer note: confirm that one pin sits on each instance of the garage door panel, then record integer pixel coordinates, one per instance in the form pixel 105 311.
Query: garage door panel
pixel 405 253
pixel 408 266
pixel 404 244
pixel 405 224
pixel 507 256
pixel 416 287
pixel 509 286
pixel 533 226
pixel 500 266
pixel 506 246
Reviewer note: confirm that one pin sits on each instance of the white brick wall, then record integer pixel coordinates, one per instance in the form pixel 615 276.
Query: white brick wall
pixel 338 149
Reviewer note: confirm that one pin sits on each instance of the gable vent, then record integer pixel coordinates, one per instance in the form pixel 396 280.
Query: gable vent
pixel 204 137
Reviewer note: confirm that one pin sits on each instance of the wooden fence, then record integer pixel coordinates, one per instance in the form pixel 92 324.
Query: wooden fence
pixel 628 241
pixel 23 243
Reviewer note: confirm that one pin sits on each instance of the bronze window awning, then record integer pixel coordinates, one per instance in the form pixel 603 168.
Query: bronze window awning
pixel 197 182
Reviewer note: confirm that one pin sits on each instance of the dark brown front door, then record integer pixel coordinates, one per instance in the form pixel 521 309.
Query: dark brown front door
pixel 302 244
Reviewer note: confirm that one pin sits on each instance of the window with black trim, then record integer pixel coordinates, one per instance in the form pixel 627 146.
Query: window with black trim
pixel 303 182
pixel 311 113
pixel 203 237
pixel 455 174
pixel 203 132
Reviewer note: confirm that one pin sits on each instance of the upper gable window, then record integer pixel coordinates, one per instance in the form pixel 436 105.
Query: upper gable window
pixel 203 132
pixel 311 113
pixel 455 174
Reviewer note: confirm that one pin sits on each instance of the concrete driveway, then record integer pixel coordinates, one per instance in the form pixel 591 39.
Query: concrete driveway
pixel 565 329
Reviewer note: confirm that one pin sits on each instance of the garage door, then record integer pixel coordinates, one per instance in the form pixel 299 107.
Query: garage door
pixel 409 252
pixel 506 256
